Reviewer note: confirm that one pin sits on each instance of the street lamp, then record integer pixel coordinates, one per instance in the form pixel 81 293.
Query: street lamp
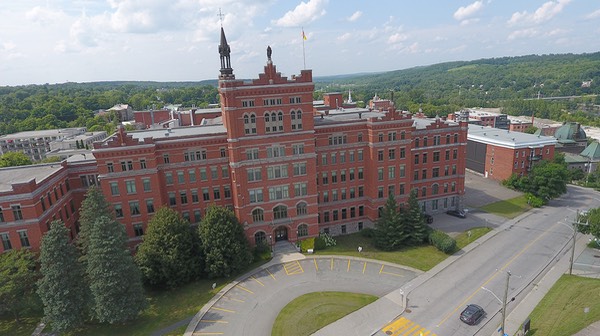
pixel 502 302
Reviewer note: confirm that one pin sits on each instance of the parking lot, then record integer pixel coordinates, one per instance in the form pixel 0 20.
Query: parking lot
pixel 250 306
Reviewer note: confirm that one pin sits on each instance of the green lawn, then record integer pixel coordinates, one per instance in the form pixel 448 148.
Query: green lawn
pixel 311 312
pixel 561 311
pixel 423 257
pixel 510 208
pixel 165 308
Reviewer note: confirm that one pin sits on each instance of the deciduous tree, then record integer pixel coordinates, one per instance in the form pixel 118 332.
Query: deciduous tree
pixel 17 281
pixel 223 242
pixel 12 159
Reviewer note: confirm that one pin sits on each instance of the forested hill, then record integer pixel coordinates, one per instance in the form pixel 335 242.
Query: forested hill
pixel 436 89
pixel 480 81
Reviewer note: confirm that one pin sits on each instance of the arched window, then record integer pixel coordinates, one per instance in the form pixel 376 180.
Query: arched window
pixel 280 212
pixel 302 230
pixel 246 119
pixel 301 209
pixel 268 125
pixel 253 118
pixel 424 191
pixel 293 115
pixel 267 115
pixel 435 189
pixel 280 121
pixel 258 215
pixel 273 117
pixel 260 238
pixel 250 123
pixel 280 116
pixel 296 120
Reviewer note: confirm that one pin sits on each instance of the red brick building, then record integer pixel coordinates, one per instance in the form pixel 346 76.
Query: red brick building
pixel 286 169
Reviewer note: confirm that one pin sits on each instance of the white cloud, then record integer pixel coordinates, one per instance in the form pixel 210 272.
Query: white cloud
pixel 544 13
pixel 593 15
pixel 469 21
pixel 8 46
pixel 523 33
pixel 44 16
pixel 355 16
pixel 344 37
pixel 467 11
pixel 305 12
pixel 397 38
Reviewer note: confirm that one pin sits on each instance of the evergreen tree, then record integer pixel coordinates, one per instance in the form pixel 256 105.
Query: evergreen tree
pixel 416 229
pixel 389 229
pixel 93 206
pixel 63 293
pixel 114 279
pixel 17 281
pixel 169 255
pixel 223 243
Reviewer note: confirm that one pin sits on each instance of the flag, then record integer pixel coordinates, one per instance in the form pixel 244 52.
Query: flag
pixel 303 35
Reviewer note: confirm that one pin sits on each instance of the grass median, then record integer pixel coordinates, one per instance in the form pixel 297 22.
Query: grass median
pixel 310 312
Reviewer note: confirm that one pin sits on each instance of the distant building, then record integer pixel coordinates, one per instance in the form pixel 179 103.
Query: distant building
pixel 571 138
pixel 123 111
pixel 497 154
pixel 35 144
pixel 483 118
pixel 586 161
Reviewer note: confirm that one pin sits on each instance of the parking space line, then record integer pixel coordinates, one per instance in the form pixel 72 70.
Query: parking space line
pixel 348 269
pixel 271 274
pixel 394 274
pixel 223 309
pixel 207 333
pixel 316 266
pixel 244 288
pixel 255 279
pixel 236 300
pixel 331 268
pixel 364 267
pixel 381 270
pixel 293 268
pixel 213 321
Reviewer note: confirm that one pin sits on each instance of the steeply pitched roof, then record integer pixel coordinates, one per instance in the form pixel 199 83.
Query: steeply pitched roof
pixel 570 131
pixel 592 151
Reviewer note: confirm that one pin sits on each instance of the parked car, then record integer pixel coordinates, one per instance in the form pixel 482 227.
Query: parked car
pixel 472 314
pixel 428 218
pixel 457 213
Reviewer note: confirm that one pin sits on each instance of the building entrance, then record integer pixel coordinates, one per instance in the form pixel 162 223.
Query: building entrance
pixel 281 233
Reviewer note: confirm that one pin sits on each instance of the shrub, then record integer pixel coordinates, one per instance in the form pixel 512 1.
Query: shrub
pixel 534 201
pixel 307 244
pixel 329 241
pixel 320 243
pixel 442 241
pixel 262 251
pixel 367 232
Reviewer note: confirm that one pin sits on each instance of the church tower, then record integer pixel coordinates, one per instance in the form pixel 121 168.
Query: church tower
pixel 271 147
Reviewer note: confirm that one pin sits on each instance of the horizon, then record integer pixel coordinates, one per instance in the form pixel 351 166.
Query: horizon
pixel 164 41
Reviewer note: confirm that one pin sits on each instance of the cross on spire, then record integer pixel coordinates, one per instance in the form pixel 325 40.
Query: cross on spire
pixel 221 16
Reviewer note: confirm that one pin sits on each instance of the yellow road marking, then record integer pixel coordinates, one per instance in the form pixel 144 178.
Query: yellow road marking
pixel 332 264
pixel 381 270
pixel 244 288
pixel 271 274
pixel 495 274
pixel 316 266
pixel 405 327
pixel 255 279
pixel 293 268
pixel 411 330
pixel 213 321
pixel 237 300
pixel 222 309
pixel 348 270
pixel 390 273
pixel 364 267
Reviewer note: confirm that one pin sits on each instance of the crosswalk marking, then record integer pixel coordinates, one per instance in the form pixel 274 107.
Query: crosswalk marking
pixel 293 268
pixel 406 327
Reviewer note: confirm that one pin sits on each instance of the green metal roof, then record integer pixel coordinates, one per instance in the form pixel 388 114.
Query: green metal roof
pixel 592 151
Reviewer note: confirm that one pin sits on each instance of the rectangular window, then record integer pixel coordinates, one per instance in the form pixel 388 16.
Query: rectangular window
pixel 343 157
pixel 402 172
pixel 416 158
pixel 453 169
pixel 180 177
pixel 391 173
pixel 24 238
pixel 150 206
pixel 142 164
pixel 192 175
pixel 455 154
pixel 391 154
pixel 401 191
pixel 114 188
pixel 300 189
pixel 183 197
pixel 118 210
pixel 110 166
pixel 252 154
pixel 169 178
pixel 424 174
pixel 6 241
pixel 227 191
pixel 41 202
pixel 352 212
pixel 254 174
pixel 217 193
pixel 172 199
pixel 334 176
pixel 166 158
pixel 352 193
pixel 335 215
pixel 326 216
pixel 351 174
pixel 361 210
pixel 256 195
pixel 416 175
pixel 360 155
pixel 213 173
pixel 138 229
pixel 325 196
pixel 203 176
pixel 130 185
pixel 71 205
pixel 225 171
pixel 197 216
pixel 391 190
pixel 334 195
pixel 299 168
pixel 402 153
pixel 195 198
pixel 146 184
pixel 276 172
pixel 333 158
pixel 205 194
pixel 275 151
pixel 325 178
pixel 351 156
pixel 361 175
pixel 435 172
pixel 223 152
pixel 278 192
pixel 380 155
pixel 361 191
pixel 379 174
pixel 380 192
pixel 447 156
pixel 298 149
pixel 436 156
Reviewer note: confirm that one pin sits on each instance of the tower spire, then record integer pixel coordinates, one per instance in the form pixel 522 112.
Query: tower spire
pixel 224 52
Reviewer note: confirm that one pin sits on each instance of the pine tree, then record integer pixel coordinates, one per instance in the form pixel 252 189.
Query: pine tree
pixel 93 206
pixel 416 229
pixel 63 293
pixel 389 231
pixel 169 255
pixel 114 279
pixel 224 243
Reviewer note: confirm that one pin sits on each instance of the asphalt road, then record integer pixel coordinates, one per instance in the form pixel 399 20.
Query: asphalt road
pixel 252 305
pixel 526 248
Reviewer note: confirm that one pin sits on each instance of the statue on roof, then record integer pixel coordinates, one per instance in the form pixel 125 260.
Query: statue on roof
pixel 269 52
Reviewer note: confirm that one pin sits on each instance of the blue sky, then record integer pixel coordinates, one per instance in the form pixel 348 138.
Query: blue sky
pixel 55 41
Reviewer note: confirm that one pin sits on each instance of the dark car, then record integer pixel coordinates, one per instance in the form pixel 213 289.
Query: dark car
pixel 428 218
pixel 472 314
pixel 457 213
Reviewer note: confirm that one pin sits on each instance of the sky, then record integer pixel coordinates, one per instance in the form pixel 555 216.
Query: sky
pixel 57 41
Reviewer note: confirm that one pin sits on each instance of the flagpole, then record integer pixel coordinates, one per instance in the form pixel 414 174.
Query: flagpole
pixel 303 53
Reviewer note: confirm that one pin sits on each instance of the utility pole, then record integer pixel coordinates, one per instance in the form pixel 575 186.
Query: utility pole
pixel 576 224
pixel 504 302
